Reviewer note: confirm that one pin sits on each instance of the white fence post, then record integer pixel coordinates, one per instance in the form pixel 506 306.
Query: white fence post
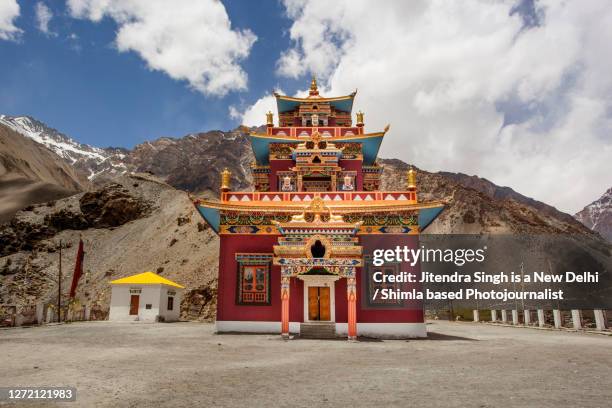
pixel 577 319
pixel 527 317
pixel 600 321
pixel 541 320
pixel 40 313
pixel 557 318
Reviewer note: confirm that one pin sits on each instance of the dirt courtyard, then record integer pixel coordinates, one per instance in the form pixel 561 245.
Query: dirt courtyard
pixel 186 364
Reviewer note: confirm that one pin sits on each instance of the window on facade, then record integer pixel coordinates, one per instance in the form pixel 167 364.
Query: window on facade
pixel 148 306
pixel 253 283
pixel 170 303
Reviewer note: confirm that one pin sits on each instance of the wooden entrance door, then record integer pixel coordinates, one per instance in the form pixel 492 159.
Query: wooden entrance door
pixel 134 302
pixel 319 307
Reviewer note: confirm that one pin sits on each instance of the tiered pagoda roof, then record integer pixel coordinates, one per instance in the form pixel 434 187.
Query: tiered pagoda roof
pixel 309 127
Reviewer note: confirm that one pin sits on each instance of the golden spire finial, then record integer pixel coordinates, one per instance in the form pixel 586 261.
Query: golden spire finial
pixel 314 90
pixel 360 118
pixel 226 178
pixel 411 178
pixel 270 118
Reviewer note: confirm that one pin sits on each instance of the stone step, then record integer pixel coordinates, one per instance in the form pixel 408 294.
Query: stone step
pixel 323 330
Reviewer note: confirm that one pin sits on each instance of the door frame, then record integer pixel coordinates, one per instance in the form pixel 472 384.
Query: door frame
pixel 320 281
pixel 132 296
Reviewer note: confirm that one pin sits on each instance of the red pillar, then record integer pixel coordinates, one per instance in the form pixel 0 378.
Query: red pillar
pixel 285 280
pixel 351 294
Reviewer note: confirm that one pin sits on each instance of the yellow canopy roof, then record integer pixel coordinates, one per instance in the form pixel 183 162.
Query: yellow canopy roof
pixel 146 278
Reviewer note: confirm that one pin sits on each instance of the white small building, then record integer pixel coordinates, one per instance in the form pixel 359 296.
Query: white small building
pixel 145 297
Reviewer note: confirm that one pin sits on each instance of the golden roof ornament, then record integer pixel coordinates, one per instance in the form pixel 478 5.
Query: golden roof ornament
pixel 317 213
pixel 360 118
pixel 317 205
pixel 226 179
pixel 315 137
pixel 314 90
pixel 295 218
pixel 270 118
pixel 411 178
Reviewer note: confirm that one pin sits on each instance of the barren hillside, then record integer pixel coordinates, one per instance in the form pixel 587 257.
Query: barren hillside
pixel 31 173
pixel 132 225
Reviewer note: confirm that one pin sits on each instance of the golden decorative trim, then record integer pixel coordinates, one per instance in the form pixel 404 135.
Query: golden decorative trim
pixel 320 99
pixel 335 139
pixel 334 206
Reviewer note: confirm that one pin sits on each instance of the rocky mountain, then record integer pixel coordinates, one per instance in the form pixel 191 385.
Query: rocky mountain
pixel 134 216
pixel 175 160
pixel 91 161
pixel 476 205
pixel 598 215
pixel 135 223
pixel 194 162
pixel 30 173
pixel 505 193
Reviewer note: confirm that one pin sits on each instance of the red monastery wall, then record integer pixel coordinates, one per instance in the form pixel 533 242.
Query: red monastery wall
pixel 227 305
pixel 229 309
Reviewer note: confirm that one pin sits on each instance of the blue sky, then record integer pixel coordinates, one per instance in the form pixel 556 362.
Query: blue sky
pixel 518 92
pixel 87 89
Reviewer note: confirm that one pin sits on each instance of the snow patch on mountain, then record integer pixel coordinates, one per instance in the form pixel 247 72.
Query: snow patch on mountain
pixel 598 215
pixel 93 161
pixel 59 143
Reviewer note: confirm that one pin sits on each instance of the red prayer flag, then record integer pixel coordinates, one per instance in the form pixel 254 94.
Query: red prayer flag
pixel 78 269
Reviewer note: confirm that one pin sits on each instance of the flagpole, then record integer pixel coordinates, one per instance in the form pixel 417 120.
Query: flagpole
pixel 59 286
pixel 78 269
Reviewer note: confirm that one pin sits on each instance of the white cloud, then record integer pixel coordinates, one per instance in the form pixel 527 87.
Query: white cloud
pixel 9 11
pixel 189 40
pixel 467 86
pixel 234 113
pixel 43 17
pixel 255 115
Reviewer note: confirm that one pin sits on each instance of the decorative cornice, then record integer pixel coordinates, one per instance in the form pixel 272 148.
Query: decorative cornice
pixel 335 206
pixel 319 99
pixel 297 139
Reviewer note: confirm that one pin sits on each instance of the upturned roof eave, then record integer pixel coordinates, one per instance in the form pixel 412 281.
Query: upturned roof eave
pixel 335 207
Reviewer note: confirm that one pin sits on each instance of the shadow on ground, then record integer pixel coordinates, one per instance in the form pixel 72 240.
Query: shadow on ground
pixel 446 337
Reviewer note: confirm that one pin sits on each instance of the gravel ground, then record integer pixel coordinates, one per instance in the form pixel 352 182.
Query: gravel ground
pixel 184 364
